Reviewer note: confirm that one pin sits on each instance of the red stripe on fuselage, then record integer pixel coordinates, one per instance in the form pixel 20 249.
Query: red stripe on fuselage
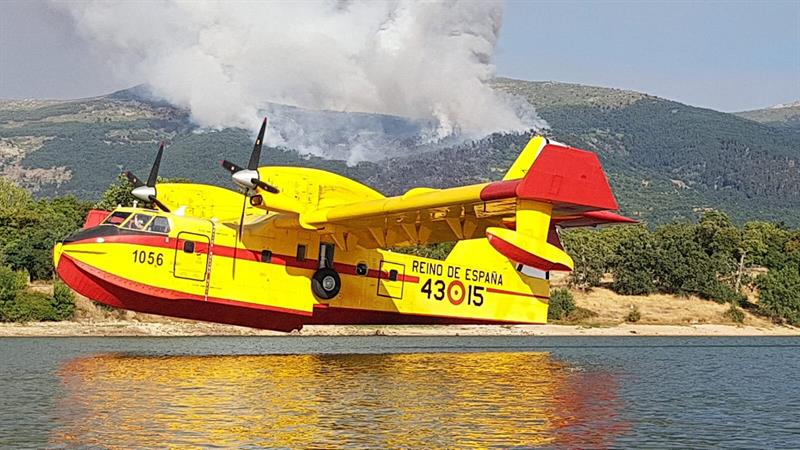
pixel 122 293
pixel 126 294
pixel 171 293
pixel 160 241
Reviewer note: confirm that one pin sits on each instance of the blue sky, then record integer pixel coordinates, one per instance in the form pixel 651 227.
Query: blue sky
pixel 726 55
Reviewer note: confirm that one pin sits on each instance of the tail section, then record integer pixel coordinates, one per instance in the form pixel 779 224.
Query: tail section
pixel 553 184
pixel 525 160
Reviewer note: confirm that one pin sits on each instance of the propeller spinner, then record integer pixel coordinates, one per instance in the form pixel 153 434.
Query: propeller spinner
pixel 248 178
pixel 147 192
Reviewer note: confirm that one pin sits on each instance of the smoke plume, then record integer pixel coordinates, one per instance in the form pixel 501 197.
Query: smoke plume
pixel 228 62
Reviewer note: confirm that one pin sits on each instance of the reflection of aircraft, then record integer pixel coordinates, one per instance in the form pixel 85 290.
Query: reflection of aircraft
pixel 306 245
pixel 331 401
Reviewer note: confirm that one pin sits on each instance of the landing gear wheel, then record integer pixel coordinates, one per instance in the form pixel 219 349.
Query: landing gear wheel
pixel 326 283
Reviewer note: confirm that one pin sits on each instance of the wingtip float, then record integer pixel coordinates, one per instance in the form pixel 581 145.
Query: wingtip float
pixel 308 246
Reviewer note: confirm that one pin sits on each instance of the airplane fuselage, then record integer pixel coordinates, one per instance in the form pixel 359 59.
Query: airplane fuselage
pixel 196 268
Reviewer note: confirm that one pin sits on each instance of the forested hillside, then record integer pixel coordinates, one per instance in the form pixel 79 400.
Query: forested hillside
pixel 665 160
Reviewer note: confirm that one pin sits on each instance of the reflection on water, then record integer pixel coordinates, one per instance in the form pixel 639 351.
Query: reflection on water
pixel 324 401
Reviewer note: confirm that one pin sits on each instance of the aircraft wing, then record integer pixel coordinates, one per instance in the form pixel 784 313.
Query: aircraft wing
pixel 558 184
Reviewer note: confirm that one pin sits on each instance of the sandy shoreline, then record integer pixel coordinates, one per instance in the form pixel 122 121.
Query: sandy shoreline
pixel 132 328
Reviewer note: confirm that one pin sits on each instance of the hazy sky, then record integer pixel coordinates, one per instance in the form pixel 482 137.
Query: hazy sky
pixel 724 55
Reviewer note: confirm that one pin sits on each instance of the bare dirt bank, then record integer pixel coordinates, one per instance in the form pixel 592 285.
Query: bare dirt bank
pixel 661 315
pixel 131 328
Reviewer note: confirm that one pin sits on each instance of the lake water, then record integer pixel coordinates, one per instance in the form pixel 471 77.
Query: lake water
pixel 395 392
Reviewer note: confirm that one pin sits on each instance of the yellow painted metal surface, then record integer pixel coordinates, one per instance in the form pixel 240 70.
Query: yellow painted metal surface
pixel 525 159
pixel 264 267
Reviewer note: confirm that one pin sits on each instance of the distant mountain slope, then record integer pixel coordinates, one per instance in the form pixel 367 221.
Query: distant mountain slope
pixel 665 160
pixel 784 116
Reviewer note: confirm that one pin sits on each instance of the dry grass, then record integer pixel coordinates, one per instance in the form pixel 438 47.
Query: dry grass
pixel 658 309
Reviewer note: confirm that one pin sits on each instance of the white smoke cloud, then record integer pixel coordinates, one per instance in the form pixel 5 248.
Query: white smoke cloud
pixel 224 61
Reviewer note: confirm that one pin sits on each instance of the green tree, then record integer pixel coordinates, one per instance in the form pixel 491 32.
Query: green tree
pixel 118 193
pixel 29 228
pixel 765 244
pixel 590 251
pixel 63 301
pixel 721 241
pixel 632 263
pixel 779 294
pixel 11 283
pixel 561 305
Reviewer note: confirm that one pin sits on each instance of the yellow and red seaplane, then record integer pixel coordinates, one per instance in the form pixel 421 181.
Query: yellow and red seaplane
pixel 310 247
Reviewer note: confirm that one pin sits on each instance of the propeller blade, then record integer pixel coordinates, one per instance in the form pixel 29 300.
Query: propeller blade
pixel 151 180
pixel 158 203
pixel 255 157
pixel 132 178
pixel 267 187
pixel 230 167
pixel 239 234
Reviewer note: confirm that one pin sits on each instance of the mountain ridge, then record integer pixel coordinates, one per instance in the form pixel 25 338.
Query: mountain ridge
pixel 665 160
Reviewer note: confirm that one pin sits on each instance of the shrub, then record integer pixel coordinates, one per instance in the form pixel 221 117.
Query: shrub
pixel 735 314
pixel 633 315
pixel 779 295
pixel 30 306
pixel 63 301
pixel 434 251
pixel 11 282
pixel 722 293
pixel 580 314
pixel 562 303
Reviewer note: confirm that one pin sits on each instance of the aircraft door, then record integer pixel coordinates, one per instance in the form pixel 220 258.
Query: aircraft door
pixel 191 256
pixel 390 279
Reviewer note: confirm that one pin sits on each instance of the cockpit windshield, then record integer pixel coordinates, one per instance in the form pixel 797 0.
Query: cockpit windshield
pixel 138 221
pixel 159 225
pixel 116 218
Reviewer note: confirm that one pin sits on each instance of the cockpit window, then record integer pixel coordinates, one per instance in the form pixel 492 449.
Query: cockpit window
pixel 138 221
pixel 116 218
pixel 159 225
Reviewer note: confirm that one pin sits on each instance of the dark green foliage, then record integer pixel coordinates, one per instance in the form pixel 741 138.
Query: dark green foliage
pixel 708 259
pixel 11 283
pixel 118 193
pixel 633 315
pixel 20 304
pixel 433 251
pixel 590 252
pixel 29 228
pixel 30 306
pixel 680 264
pixel 735 314
pixel 63 301
pixel 562 304
pixel 633 264
pixel 779 294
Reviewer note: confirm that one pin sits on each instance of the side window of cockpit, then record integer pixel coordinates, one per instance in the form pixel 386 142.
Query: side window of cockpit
pixel 116 218
pixel 138 221
pixel 159 225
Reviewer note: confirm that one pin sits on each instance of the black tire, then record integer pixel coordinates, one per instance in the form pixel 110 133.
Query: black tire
pixel 326 283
